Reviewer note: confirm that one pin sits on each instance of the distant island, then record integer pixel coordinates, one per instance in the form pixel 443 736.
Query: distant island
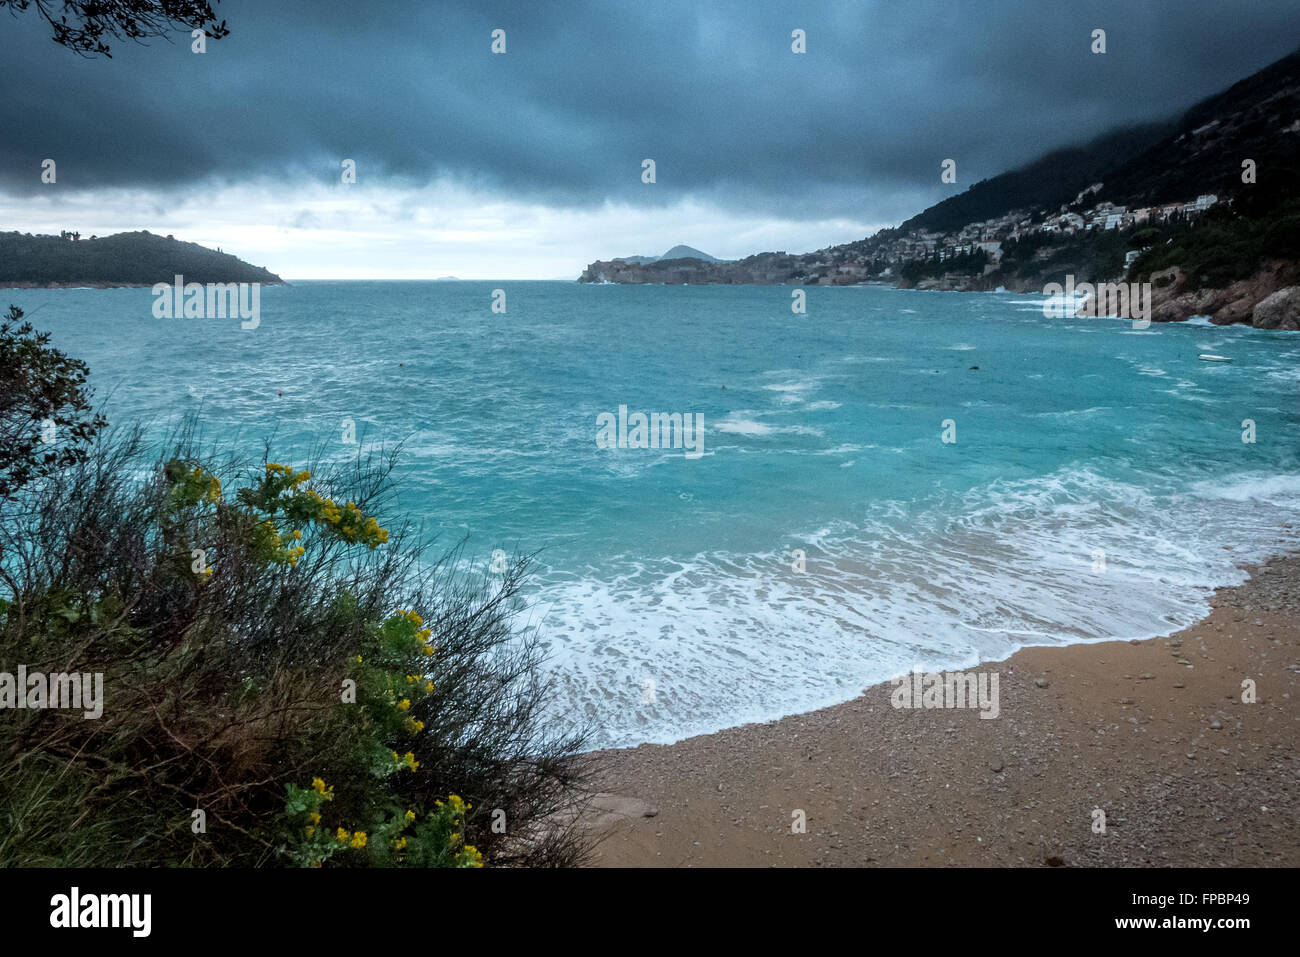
pixel 124 259
pixel 1205 207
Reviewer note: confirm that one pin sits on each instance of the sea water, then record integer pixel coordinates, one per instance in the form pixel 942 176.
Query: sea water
pixel 1094 483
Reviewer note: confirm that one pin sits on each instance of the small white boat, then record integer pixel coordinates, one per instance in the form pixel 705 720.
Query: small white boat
pixel 1211 357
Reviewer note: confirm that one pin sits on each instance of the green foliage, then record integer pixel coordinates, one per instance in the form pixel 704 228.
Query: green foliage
pixel 1105 254
pixel 45 418
pixel 1223 246
pixel 400 839
pixel 292 649
pixel 972 263
pixel 140 259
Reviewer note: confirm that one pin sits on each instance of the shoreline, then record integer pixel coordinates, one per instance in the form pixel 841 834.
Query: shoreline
pixel 1152 732
pixel 76 285
pixel 109 285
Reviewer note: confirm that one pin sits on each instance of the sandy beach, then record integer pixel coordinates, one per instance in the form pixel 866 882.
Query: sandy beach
pixel 1154 733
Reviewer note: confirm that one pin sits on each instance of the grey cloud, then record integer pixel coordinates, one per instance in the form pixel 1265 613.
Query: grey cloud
pixel 588 89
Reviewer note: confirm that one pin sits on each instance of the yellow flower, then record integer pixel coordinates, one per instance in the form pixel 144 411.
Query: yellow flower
pixel 318 785
pixel 410 816
pixel 341 835
pixel 404 704
pixel 315 817
pixel 400 844
pixel 411 763
pixel 359 839
pixel 428 686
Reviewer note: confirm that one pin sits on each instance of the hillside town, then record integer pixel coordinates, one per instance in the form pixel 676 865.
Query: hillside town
pixel 989 235
pixel 927 259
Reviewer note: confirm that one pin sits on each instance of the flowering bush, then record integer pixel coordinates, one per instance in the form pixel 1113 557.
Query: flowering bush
pixel 400 839
pixel 258 629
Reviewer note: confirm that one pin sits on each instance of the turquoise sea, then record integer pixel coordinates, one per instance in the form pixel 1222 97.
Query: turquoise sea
pixel 1099 486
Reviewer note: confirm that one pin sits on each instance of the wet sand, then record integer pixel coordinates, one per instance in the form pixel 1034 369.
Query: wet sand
pixel 1155 734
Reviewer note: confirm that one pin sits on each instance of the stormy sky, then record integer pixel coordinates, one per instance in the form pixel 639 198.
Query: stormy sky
pixel 528 164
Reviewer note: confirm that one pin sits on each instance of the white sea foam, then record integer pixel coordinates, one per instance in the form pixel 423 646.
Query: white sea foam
pixel 737 426
pixel 1071 413
pixel 728 639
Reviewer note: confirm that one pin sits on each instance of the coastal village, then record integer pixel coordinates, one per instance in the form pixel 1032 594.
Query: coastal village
pixel 989 235
pixel 974 250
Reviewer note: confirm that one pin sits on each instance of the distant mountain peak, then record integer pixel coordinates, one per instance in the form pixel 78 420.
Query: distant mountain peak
pixel 687 252
pixel 677 252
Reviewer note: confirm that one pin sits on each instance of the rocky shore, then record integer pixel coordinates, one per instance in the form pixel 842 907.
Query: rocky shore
pixel 1270 299
pixel 1164 737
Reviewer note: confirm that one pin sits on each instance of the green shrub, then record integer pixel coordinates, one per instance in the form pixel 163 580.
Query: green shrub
pixel 41 391
pixel 259 634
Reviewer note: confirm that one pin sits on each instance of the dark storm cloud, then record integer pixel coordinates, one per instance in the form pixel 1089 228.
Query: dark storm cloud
pixel 588 89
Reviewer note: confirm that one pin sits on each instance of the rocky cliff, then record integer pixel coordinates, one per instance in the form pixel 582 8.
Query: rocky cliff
pixel 1266 300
